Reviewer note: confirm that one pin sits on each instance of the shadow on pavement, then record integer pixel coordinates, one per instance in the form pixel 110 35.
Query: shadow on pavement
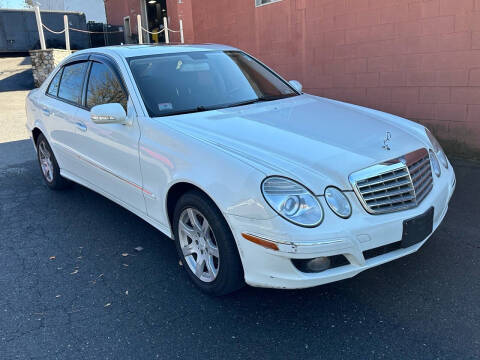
pixel 18 81
pixel 26 60
pixel 16 152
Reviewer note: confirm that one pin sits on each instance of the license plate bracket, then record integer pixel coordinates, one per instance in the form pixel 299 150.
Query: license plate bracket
pixel 417 229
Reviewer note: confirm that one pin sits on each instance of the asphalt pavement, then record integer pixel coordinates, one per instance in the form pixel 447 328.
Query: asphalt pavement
pixel 72 285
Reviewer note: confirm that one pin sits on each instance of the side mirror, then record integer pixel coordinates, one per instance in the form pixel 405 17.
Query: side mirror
pixel 296 85
pixel 108 114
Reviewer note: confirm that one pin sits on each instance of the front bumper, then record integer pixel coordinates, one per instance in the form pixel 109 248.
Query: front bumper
pixel 335 236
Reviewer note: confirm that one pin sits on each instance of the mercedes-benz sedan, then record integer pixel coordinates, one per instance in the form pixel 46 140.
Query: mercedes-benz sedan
pixel 254 180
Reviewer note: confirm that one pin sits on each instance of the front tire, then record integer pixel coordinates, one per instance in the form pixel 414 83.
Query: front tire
pixel 206 245
pixel 49 166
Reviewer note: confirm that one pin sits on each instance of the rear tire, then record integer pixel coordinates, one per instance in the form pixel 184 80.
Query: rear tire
pixel 49 166
pixel 206 245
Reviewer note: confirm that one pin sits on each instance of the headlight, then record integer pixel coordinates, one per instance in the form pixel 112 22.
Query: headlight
pixel 338 202
pixel 435 164
pixel 292 201
pixel 437 149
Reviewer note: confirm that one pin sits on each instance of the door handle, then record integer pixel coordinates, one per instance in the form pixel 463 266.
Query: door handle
pixel 46 112
pixel 81 126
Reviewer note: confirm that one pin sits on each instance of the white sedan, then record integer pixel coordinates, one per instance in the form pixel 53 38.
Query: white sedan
pixel 254 180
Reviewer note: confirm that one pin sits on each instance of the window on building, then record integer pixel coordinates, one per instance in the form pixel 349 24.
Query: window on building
pixel 264 2
pixel 104 87
pixel 72 81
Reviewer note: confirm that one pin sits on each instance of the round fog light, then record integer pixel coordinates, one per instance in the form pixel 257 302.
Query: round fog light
pixel 318 264
pixel 338 202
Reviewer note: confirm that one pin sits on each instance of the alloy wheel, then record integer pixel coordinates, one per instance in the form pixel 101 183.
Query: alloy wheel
pixel 198 245
pixel 45 161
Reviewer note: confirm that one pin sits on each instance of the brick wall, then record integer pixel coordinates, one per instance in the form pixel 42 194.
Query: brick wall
pixel 116 10
pixel 419 59
pixel 180 10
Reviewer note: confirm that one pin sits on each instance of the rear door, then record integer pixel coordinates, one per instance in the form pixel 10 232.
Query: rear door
pixel 110 151
pixel 59 108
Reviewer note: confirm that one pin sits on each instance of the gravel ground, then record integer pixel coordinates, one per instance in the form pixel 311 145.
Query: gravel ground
pixel 73 286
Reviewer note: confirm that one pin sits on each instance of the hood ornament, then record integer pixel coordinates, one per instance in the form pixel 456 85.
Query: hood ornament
pixel 388 136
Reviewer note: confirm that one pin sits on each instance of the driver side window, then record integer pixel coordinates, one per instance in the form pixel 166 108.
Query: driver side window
pixel 104 87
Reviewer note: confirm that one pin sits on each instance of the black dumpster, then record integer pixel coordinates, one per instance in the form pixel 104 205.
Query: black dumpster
pixel 19 33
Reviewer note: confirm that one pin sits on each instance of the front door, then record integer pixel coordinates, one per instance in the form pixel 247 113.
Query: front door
pixel 110 151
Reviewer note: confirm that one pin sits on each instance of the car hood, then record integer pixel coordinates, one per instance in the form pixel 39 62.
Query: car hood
pixel 317 141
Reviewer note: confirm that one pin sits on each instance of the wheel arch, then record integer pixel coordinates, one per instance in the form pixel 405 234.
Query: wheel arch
pixel 36 132
pixel 175 192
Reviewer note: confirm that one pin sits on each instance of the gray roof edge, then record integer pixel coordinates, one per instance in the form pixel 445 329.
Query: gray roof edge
pixel 44 11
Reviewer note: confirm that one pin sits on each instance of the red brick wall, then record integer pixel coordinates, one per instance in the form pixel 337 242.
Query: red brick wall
pixel 419 59
pixel 177 11
pixel 116 10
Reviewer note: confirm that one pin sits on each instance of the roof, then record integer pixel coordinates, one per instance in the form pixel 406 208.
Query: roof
pixel 43 11
pixel 153 49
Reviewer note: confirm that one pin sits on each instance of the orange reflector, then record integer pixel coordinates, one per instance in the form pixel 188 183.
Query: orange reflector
pixel 262 242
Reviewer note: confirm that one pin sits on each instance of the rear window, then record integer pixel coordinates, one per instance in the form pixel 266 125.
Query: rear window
pixel 72 81
pixel 53 87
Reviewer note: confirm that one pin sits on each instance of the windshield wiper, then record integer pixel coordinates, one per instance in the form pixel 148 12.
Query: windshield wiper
pixel 275 97
pixel 188 111
pixel 248 102
pixel 202 108
pixel 240 103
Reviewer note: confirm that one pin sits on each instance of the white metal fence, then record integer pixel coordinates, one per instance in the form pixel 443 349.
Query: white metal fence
pixel 67 28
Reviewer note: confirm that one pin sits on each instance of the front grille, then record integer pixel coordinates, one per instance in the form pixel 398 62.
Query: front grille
pixel 394 185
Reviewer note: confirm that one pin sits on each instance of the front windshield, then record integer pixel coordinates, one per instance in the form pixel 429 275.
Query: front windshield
pixel 180 83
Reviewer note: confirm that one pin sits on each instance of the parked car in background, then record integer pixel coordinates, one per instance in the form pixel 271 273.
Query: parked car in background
pixel 254 180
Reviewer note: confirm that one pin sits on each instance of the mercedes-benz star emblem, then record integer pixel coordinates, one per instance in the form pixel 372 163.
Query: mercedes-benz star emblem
pixel 388 136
